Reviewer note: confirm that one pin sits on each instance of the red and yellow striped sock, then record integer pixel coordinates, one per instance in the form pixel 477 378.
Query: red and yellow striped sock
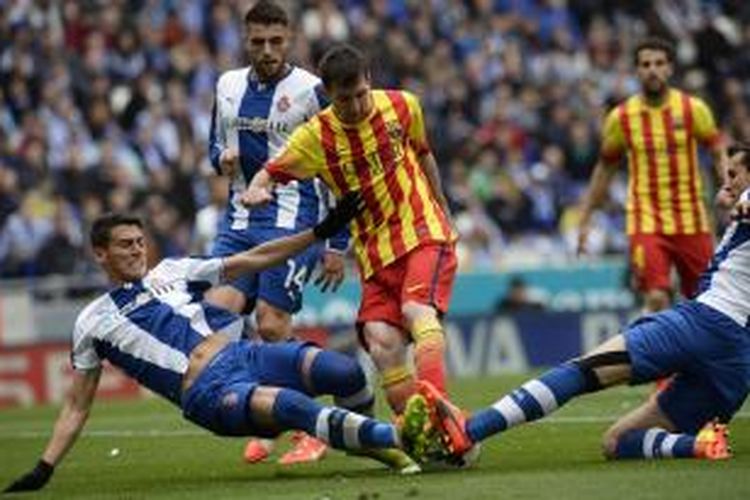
pixel 398 385
pixel 429 351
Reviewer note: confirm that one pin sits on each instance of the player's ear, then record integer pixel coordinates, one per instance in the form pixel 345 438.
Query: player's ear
pixel 100 255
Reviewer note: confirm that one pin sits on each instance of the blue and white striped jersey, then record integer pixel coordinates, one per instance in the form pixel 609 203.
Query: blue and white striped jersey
pixel 148 328
pixel 725 285
pixel 257 118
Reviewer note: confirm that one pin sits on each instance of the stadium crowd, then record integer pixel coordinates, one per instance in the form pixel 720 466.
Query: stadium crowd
pixel 106 105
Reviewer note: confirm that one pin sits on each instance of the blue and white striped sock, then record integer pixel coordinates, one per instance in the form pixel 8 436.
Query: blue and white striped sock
pixel 532 401
pixel 350 431
pixel 340 428
pixel 654 443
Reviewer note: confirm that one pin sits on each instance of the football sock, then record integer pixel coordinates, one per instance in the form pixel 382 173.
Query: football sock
pixel 654 443
pixel 342 376
pixel 532 401
pixel 429 351
pixel 339 428
pixel 398 386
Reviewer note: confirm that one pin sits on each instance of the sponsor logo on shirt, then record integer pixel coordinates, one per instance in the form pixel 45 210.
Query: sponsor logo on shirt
pixel 258 125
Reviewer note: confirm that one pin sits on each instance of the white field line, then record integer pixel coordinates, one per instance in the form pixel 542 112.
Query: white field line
pixel 162 433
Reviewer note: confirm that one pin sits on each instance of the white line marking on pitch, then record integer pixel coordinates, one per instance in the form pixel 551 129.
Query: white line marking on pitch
pixel 156 433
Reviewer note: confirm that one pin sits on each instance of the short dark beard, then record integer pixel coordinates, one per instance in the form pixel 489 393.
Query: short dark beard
pixel 655 97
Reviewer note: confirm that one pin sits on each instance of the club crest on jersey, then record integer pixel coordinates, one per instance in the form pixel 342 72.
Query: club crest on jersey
pixel 283 104
pixel 394 131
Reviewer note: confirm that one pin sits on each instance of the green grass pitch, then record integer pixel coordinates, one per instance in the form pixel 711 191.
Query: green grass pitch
pixel 160 456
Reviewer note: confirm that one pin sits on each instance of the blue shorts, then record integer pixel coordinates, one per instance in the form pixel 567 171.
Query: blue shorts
pixel 708 352
pixel 219 398
pixel 280 286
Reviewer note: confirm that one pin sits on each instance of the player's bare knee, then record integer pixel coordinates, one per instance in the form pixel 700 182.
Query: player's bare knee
pixel 261 405
pixel 414 311
pixel 610 439
pixel 274 325
pixel 383 342
pixel 226 297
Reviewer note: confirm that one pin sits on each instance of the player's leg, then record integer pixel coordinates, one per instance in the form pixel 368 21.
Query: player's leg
pixel 679 422
pixel 388 348
pixel 278 409
pixel 274 409
pixel 379 326
pixel 709 353
pixel 605 366
pixel 645 352
pixel 312 371
pixel 231 397
pixel 425 294
pixel 648 432
pixel 691 254
pixel 651 265
pixel 273 324
pixel 339 375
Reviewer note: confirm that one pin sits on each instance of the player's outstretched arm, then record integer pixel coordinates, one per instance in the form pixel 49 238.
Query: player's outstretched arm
pixel 277 251
pixel 601 178
pixel 285 168
pixel 70 422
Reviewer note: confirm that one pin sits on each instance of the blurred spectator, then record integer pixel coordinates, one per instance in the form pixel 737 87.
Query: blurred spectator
pixel 519 297
pixel 208 218
pixel 62 249
pixel 109 103
pixel 23 235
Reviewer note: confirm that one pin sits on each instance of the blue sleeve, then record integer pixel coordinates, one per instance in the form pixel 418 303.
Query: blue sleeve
pixel 321 96
pixel 215 147
pixel 340 241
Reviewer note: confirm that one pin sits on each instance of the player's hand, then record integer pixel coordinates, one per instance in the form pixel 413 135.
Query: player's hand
pixel 725 198
pixel 741 211
pixel 229 162
pixel 339 217
pixel 584 229
pixel 332 272
pixel 255 197
pixel 33 480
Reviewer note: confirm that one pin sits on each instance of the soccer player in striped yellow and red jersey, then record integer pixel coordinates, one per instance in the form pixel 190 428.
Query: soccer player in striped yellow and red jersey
pixel 659 131
pixel 374 142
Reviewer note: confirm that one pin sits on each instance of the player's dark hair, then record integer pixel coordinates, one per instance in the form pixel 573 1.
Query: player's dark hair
pixel 743 148
pixel 101 229
pixel 266 12
pixel 342 66
pixel 654 43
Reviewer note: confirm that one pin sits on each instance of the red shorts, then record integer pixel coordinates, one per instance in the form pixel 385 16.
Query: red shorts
pixel 652 257
pixel 424 275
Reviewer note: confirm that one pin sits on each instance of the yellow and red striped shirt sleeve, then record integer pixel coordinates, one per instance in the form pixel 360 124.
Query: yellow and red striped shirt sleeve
pixel 613 140
pixel 301 158
pixel 705 126
pixel 417 132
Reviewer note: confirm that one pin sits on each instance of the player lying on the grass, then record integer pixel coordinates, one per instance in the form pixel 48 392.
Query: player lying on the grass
pixel 154 326
pixel 704 343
